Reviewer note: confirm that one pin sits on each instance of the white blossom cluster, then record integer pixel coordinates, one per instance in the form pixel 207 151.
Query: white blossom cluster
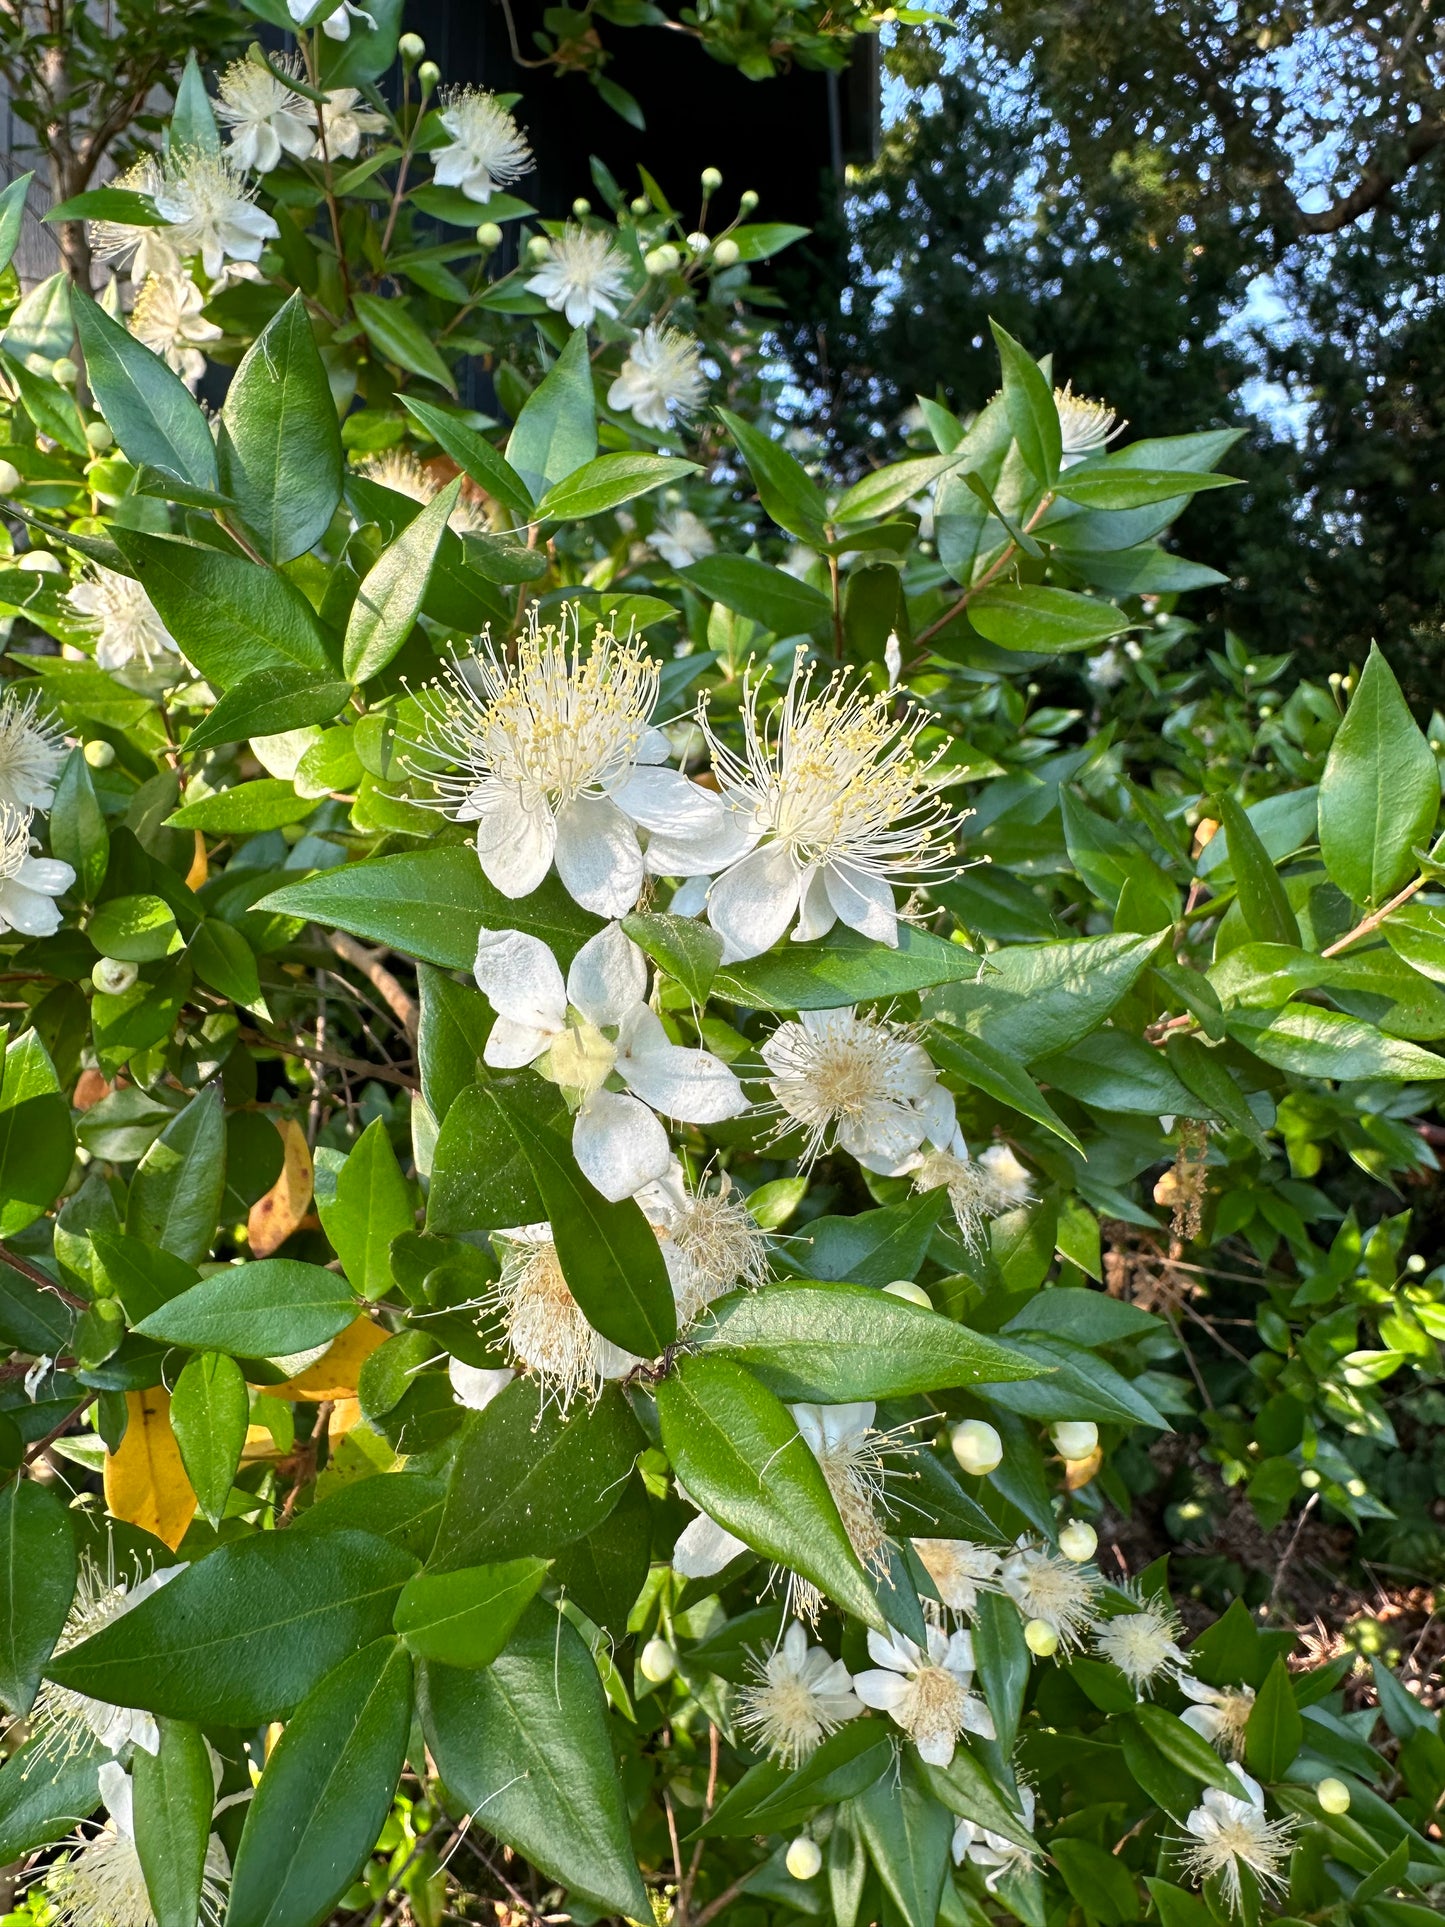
pixel 32 750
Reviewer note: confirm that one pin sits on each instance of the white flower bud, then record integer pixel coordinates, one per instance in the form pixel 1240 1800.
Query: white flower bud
pixel 698 242
pixel 913 1294
pixel 641 205
pixel 747 201
pixel 726 253
pixel 112 976
pixel 581 207
pixel 663 260
pixel 658 1661
pixel 1041 1638
pixel 411 47
pixel 99 753
pixel 428 74
pixel 65 371
pixel 1333 1795
pixel 10 478
pixel 40 562
pixel 99 436
pixel 977 1446
pixel 489 236
pixel 539 248
pixel 711 180
pixel 1078 1541
pixel 1076 1440
pixel 804 1858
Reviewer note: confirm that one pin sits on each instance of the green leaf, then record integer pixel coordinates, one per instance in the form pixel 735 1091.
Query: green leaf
pixel 12 216
pixel 193 123
pixel 465 1618
pixel 391 594
pixel 175 1195
pixel 232 617
pixel 737 1450
pixel 242 1636
pixel 846 968
pixel 371 1206
pixel 475 457
pixel 325 1793
pixel 139 929
pixel 1114 1071
pixel 1029 401
pixel 222 958
pixel 1000 1650
pixel 1034 999
pixel 1205 1072
pixel 431 905
pixel 37 1140
pixel 174 1794
pixel 608 1252
pixel 246 809
pixel 269 1309
pixel 765 595
pixel 452 1032
pixel 1184 1748
pixel 1312 1042
pixel 1275 1731
pixel 1072 1383
pixel 267 704
pixel 107 204
pixel 78 835
pixel 607 483
pixel 688 951
pixel 398 337
pixel 1380 793
pixel 759 240
pixel 1262 900
pixel 834 1343
pixel 155 417
pixel 870 1247
pixel 889 488
pixel 1098 1880
pixel 1106 487
pixel 908 1835
pixel 480 1180
pixel 996 1076
pixel 51 407
pixel 786 490
pixel 210 1411
pixel 966 1787
pixel 37 1582
pixel 1050 621
pixel 280 443
pixel 556 432
pixel 769 1797
pixel 526 1480
pixel 46 1790
pixel 525 1743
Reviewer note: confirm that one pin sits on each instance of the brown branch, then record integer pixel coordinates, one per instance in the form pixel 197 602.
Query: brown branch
pixel 1372 922
pixel 394 995
pixel 42 1445
pixel 40 1278
pixel 728 1894
pixel 358 1066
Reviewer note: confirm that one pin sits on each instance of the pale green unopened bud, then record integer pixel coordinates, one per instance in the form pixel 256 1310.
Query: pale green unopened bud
pixel 658 1661
pixel 10 478
pixel 65 371
pixel 581 207
pixel 411 47
pixel 1078 1440
pixel 1041 1638
pixel 711 180
pixel 489 236
pixel 977 1446
pixel 803 1859
pixel 913 1294
pixel 99 753
pixel 641 205
pixel 1333 1795
pixel 663 260
pixel 1078 1541
pixel 40 562
pixel 99 436
pixel 428 74
pixel 726 253
pixel 538 248
pixel 747 201
pixel 112 976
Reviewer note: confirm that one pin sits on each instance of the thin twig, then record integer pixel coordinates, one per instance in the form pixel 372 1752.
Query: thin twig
pixel 388 1073
pixel 398 1000
pixel 728 1894
pixel 41 1445
pixel 1374 920
pixel 40 1278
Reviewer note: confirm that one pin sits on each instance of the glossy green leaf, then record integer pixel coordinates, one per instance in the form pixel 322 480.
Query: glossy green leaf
pixel 1029 402
pixel 452 1031
pixel 998 1076
pixel 556 432
pixel 173 1793
pixel 269 803
pixel 210 1411
pixel 37 1581
pixel 271 1308
pixel 465 1618
pixel 398 337
pixel 175 1195
pixel 37 1140
pixel 155 418
pixel 1275 1731
pixel 1261 892
pixel 1313 1042
pixel 46 1790
pixel 267 704
pixel 1183 1747
pixel 770 597
pixel 1049 621
pixel 223 960
pixel 78 835
pixel 474 456
pixel 371 1205
pixel 607 483
pixel 1073 1383
pixel 846 968
pixel 685 949
pixel 891 487
pixel 1034 999
pixel 1380 793
pixel 50 407
pixel 390 597
pixel 786 490
pixel 908 1835
pixel 1206 1073
pixel 12 216
pixel 1101 486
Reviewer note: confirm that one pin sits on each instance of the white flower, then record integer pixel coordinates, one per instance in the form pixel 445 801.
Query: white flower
pixel 960 1570
pixel 563 1029
pixel 1106 670
pixel 337 25
pixel 28 884
pixel 926 1693
pixel 1143 1644
pixel 1219 1714
pixel 802 1694
pixel 1058 1591
pixel 545 1328
pixel 995 1852
pixel 859 1082
pixel 1230 1833
pixel 829 808
pixel 475 1386
pixel 1011 1177
pixel 1085 426
pixel 148 250
pixel 212 211
pixel 849 1451
pixel 583 275
pixel 661 376
pixel 704 1547
pixel 710 1240
pixel 265 116
pixel 32 750
pixel 343 123
pixel 400 470
pixel 126 625
pixel 99 1882
pixel 487 150
pixel 74 1718
pixel 976 1190
pixel 168 318
pixel 559 761
pixel 682 537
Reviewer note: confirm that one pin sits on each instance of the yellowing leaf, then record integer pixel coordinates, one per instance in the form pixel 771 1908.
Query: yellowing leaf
pixel 345 1414
pixel 145 1482
pixel 274 1217
pixel 336 1373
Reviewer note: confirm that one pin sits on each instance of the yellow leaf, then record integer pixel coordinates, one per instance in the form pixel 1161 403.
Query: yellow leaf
pixel 337 1372
pixel 274 1217
pixel 145 1482
pixel 345 1414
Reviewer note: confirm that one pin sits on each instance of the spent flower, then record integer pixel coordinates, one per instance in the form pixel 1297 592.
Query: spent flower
pixel 1220 1714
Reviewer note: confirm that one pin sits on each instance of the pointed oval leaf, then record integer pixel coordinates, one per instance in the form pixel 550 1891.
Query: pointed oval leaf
pixel 280 448
pixel 155 418
pixel 269 1309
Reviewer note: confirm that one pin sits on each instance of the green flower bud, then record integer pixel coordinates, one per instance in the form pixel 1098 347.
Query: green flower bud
pixel 658 1661
pixel 711 180
pixel 99 753
pixel 581 207
pixel 411 47
pixel 10 478
pixel 113 976
pixel 747 201
pixel 663 260
pixel 641 205
pixel 698 241
pixel 538 248
pixel 1079 1440
pixel 804 1858
pixel 912 1294
pixel 977 1446
pixel 1333 1795
pixel 1078 1541
pixel 1041 1638
pixel 489 236
pixel 726 253
pixel 99 436
pixel 428 74
pixel 65 371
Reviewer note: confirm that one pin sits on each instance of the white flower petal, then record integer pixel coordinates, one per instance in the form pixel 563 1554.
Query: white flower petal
pixel 521 979
pixel 880 1689
pixel 675 853
pixel 598 856
pixel 510 1045
pixel 816 915
pixel 691 1085
pixel 751 905
pixel 666 801
pixel 864 902
pixel 619 1145
pixel 475 1386
pixel 514 845
pixel 608 977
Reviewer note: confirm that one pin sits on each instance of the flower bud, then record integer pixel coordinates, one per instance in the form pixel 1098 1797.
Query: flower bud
pixel 747 201
pixel 698 241
pixel 641 205
pixel 1333 1795
pixel 1078 1541
pixel 977 1446
pixel 658 1661
pixel 711 180
pixel 112 976
pixel 99 753
pixel 663 260
pixel 411 47
pixel 581 207
pixel 804 1858
pixel 726 253
pixel 489 236
pixel 428 74
pixel 1041 1638
pixel 1076 1440
pixel 913 1294
pixel 99 436
pixel 64 371
pixel 539 248
pixel 40 562
pixel 10 478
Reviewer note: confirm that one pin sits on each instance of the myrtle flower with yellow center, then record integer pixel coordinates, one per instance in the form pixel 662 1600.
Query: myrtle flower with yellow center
pixel 1143 1643
pixel 1060 1592
pixel 169 318
pixel 487 150
pixel 581 275
pixel 145 250
pixel 125 622
pixel 1230 1833
pixel 926 1691
pixel 32 750
pixel 71 1720
pixel 98 1880
pixel 661 376
pixel 29 884
pixel 1085 426
pixel 829 806
pixel 211 210
pixel 960 1571
pixel 711 1243
pixel 800 1695
pixel 401 471
pixel 978 1188
pixel 1219 1714
pixel 342 125
pixel 556 760
pixel 266 116
pixel 862 1083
